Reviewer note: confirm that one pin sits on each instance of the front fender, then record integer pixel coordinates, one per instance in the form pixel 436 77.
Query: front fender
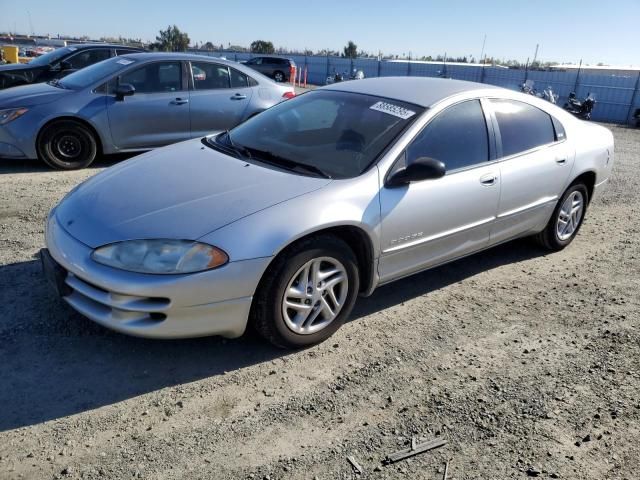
pixel 352 202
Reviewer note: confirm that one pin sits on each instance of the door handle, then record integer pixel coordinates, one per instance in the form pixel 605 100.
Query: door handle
pixel 179 101
pixel 489 179
pixel 561 161
pixel 238 96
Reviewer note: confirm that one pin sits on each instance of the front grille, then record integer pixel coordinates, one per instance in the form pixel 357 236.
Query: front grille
pixel 109 307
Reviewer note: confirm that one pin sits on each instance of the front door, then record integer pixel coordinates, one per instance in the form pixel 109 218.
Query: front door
pixel 535 168
pixel 429 222
pixel 219 98
pixel 157 113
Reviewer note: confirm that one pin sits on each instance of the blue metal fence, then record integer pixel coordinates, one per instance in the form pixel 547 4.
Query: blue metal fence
pixel 617 95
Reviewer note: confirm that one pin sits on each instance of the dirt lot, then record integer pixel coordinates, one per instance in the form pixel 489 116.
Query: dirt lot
pixel 527 364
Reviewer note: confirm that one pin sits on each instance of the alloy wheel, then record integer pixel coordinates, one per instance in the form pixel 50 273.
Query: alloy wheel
pixel 570 215
pixel 315 295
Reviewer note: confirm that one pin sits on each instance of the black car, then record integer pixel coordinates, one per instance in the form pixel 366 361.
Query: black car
pixel 277 68
pixel 58 63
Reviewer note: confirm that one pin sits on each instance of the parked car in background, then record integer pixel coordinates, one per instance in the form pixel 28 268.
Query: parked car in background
pixel 59 63
pixel 277 68
pixel 282 221
pixel 130 103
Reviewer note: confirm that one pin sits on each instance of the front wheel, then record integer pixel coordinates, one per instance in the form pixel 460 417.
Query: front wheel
pixel 307 293
pixel 67 145
pixel 566 220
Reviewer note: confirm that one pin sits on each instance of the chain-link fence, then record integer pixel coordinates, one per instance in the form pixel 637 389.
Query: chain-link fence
pixel 617 94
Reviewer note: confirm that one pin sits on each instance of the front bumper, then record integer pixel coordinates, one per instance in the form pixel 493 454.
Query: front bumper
pixel 215 302
pixel 17 142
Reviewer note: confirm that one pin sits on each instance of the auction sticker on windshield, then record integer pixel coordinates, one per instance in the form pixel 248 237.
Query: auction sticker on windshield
pixel 391 109
pixel 124 61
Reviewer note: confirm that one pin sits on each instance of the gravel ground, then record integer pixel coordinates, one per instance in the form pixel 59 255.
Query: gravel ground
pixel 526 363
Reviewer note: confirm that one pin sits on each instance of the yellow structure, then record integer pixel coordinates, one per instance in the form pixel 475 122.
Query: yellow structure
pixel 10 53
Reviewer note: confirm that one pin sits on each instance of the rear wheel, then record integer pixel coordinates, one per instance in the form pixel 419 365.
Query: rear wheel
pixel 566 220
pixel 67 145
pixel 278 76
pixel 307 293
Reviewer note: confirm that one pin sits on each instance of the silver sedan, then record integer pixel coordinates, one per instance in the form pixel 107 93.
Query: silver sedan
pixel 130 103
pixel 283 221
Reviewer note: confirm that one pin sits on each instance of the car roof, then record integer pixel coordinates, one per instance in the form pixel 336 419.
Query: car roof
pixel 82 46
pixel 178 56
pixel 422 91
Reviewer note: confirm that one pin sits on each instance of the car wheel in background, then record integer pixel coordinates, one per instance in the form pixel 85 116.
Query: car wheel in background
pixel 307 293
pixel 566 219
pixel 278 76
pixel 67 145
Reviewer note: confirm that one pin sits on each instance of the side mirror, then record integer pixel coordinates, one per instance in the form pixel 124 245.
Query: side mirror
pixel 423 168
pixel 124 90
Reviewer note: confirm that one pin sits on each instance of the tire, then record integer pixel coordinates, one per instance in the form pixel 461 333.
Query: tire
pixel 278 76
pixel 67 145
pixel 556 235
pixel 289 327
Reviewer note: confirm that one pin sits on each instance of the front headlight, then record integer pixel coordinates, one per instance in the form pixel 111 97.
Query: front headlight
pixel 160 256
pixel 10 114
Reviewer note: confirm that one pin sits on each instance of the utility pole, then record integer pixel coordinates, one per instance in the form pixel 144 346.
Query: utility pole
pixel 535 55
pixel 483 43
pixel 30 23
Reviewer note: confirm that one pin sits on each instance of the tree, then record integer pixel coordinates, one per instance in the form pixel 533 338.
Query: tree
pixel 351 50
pixel 262 46
pixel 172 40
pixel 208 46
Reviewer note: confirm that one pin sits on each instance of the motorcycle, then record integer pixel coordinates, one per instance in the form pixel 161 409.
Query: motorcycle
pixel 547 93
pixel 550 96
pixel 356 74
pixel 581 109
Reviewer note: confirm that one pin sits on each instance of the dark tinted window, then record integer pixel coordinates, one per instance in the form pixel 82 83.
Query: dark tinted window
pixel 559 129
pixel 457 137
pixel 522 126
pixel 87 57
pixel 155 78
pixel 209 76
pixel 124 51
pixel 238 79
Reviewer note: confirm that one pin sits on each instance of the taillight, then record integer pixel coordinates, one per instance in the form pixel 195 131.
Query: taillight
pixel 288 95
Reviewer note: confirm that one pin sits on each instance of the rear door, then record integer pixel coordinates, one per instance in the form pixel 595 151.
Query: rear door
pixel 536 161
pixel 157 113
pixel 218 98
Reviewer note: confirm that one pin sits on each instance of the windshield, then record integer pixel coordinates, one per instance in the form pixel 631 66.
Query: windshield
pixel 91 74
pixel 51 57
pixel 336 134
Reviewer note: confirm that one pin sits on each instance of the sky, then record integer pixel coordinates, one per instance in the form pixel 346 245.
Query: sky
pixel 566 30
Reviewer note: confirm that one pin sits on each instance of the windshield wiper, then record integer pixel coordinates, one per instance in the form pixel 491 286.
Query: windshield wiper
pixel 56 83
pixel 274 159
pixel 239 149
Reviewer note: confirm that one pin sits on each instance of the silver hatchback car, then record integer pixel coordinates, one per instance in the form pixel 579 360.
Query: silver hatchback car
pixel 130 103
pixel 282 221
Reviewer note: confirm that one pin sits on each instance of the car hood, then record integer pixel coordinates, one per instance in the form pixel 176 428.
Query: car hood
pixel 29 95
pixel 16 67
pixel 183 191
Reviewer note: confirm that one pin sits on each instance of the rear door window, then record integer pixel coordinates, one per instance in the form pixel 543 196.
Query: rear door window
pixel 238 79
pixel 522 126
pixel 209 76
